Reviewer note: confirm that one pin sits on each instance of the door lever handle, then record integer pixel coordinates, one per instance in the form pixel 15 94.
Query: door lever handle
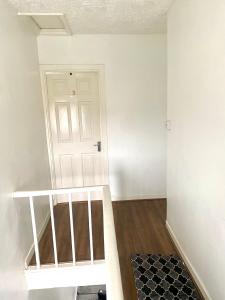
pixel 99 145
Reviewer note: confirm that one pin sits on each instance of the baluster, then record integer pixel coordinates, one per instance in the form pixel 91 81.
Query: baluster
pixel 34 228
pixel 53 230
pixel 90 227
pixel 72 228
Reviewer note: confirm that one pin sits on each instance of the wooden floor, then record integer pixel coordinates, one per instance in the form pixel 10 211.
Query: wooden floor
pixel 81 232
pixel 140 228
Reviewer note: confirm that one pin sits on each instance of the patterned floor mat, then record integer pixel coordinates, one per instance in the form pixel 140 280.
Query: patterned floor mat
pixel 160 277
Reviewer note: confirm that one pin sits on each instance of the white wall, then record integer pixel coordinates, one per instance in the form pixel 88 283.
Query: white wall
pixel 135 93
pixel 23 153
pixel 53 294
pixel 196 144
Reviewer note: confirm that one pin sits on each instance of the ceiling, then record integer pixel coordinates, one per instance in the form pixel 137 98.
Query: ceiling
pixel 104 16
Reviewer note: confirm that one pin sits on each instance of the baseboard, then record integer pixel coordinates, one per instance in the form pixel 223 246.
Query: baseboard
pixel 189 265
pixel 138 197
pixel 39 236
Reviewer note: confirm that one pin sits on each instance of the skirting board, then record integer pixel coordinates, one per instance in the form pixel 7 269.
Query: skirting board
pixel 39 236
pixel 189 265
pixel 138 197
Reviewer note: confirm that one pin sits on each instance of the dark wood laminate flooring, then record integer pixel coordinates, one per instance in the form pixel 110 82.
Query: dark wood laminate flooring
pixel 140 228
pixel 81 233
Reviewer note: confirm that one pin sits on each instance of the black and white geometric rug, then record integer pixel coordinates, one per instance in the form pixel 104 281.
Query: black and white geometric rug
pixel 160 277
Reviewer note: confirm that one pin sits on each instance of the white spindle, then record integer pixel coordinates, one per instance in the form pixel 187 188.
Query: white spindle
pixel 90 227
pixel 72 228
pixel 34 228
pixel 75 293
pixel 53 230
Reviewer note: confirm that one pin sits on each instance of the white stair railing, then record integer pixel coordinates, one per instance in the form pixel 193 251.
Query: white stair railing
pixel 113 280
pixel 33 196
pixel 108 273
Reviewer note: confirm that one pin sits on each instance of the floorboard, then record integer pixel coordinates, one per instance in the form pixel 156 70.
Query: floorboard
pixel 140 228
pixel 81 232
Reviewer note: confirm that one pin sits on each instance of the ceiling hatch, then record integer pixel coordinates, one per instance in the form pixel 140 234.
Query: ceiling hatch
pixel 49 23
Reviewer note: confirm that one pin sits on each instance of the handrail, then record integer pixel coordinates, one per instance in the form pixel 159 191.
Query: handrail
pixel 114 282
pixel 24 194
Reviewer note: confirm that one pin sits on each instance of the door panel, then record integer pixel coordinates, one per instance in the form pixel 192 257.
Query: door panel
pixel 63 121
pixel 89 121
pixel 59 85
pixel 74 118
pixel 92 169
pixel 86 121
pixel 66 168
pixel 87 86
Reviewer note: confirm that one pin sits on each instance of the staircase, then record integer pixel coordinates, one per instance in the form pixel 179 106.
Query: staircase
pixel 74 272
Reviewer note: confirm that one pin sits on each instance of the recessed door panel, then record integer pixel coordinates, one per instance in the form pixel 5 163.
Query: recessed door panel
pixel 87 118
pixel 92 169
pixel 59 85
pixel 66 170
pixel 88 169
pixel 87 85
pixel 63 121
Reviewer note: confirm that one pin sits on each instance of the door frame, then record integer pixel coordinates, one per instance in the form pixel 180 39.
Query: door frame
pixel 54 69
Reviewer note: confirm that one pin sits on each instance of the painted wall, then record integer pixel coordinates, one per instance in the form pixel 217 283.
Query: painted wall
pixel 196 143
pixel 53 294
pixel 135 69
pixel 23 159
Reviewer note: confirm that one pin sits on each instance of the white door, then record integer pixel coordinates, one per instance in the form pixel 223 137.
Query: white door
pixel 75 114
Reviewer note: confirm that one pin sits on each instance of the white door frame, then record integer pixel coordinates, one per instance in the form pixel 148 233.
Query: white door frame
pixel 54 69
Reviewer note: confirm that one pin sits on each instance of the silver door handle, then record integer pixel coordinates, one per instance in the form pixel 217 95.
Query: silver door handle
pixel 99 145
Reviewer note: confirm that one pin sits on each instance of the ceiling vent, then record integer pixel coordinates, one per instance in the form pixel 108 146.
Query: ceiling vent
pixel 49 23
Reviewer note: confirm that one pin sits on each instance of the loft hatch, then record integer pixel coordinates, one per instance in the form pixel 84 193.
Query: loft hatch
pixel 50 23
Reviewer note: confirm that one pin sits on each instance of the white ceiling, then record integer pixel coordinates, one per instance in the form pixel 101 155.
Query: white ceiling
pixel 105 16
